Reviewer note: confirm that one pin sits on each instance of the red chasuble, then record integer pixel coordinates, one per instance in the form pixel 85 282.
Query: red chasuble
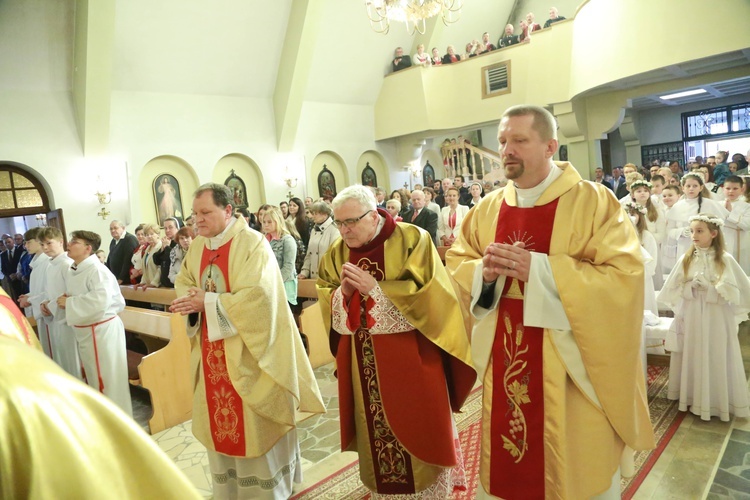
pixel 517 419
pixel 403 384
pixel 224 404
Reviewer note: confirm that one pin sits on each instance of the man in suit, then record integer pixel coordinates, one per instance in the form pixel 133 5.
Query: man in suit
pixel 445 184
pixel 121 250
pixel 400 61
pixel 464 197
pixel 9 264
pixel 599 178
pixel 380 197
pixel 508 38
pixel 618 181
pixel 420 216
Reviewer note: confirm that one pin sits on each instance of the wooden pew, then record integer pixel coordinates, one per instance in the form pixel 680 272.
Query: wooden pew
pixel 163 296
pixel 165 372
pixel 311 321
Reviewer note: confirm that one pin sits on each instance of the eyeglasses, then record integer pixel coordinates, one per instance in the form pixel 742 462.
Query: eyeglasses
pixel 349 222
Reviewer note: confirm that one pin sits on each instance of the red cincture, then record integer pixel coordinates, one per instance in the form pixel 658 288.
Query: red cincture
pixel 517 419
pixel 224 404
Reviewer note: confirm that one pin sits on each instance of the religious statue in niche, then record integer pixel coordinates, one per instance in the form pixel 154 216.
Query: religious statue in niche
pixel 167 198
pixel 369 178
pixel 239 193
pixel 326 184
pixel 428 174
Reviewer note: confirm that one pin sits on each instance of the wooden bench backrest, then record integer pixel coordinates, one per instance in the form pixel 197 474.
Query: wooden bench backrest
pixel 163 296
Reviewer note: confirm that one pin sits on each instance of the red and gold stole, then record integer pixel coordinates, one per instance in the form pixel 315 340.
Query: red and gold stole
pixel 224 404
pixel 392 463
pixel 517 421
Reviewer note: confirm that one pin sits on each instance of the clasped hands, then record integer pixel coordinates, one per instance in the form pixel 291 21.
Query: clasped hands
pixel 501 259
pixel 193 302
pixel 356 279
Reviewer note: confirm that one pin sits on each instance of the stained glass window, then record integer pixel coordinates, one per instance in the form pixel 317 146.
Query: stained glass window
pixel 19 191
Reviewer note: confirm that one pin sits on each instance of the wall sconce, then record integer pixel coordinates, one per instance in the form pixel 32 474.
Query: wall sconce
pixel 290 181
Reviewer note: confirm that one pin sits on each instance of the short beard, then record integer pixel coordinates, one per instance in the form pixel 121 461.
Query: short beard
pixel 520 169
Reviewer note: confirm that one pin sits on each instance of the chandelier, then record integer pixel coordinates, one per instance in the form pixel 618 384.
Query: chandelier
pixel 412 12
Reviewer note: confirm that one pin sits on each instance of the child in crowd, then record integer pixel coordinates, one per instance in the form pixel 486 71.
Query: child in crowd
pixel 656 222
pixel 669 196
pixel 737 224
pixel 62 338
pixel 659 183
pixel 32 301
pixel 710 295
pixel 101 256
pixel 694 202
pixel 630 178
pixel 184 239
pixel 91 306
pixel 638 215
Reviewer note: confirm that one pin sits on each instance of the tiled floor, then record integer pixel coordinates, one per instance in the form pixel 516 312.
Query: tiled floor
pixel 685 470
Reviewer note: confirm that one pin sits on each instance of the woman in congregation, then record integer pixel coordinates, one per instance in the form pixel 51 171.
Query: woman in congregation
pixel 150 270
pixel 184 239
pixel 421 58
pixel 298 219
pixel 323 234
pixel 393 207
pixel 477 193
pixel 449 221
pixel 284 248
pixel 710 295
pixel 136 262
pixel 437 59
pixel 429 200
pixel 692 203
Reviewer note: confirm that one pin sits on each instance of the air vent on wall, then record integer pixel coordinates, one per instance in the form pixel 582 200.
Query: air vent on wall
pixel 496 79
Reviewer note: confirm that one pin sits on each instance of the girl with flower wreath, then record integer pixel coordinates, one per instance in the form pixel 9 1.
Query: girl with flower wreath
pixel 710 295
pixel 655 220
pixel 692 203
pixel 649 248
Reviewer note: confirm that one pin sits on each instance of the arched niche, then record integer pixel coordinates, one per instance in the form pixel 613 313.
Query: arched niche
pixel 21 191
pixel 159 167
pixel 435 159
pixel 335 164
pixel 378 165
pixel 247 170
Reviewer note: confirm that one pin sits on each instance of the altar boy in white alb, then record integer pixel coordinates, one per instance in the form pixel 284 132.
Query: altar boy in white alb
pixel 91 304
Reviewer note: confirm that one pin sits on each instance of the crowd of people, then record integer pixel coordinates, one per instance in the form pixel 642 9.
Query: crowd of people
pixel 396 317
pixel 476 47
pixel 694 228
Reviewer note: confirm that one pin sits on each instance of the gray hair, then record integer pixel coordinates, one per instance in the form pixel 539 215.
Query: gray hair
pixel 544 122
pixel 395 202
pixel 361 194
pixel 118 223
pixel 321 207
pixel 221 194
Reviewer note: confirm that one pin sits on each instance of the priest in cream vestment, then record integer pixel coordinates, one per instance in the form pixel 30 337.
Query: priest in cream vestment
pixel 59 438
pixel 550 268
pixel 248 365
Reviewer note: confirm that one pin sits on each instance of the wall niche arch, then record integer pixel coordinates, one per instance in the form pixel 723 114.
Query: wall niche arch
pixel 160 166
pixel 246 169
pixel 335 165
pixel 21 192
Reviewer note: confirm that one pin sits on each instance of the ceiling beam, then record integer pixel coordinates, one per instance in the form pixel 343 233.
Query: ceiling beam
pixel 92 73
pixel 294 69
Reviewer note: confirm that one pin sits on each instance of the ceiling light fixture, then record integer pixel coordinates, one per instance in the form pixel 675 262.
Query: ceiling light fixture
pixel 412 12
pixel 682 94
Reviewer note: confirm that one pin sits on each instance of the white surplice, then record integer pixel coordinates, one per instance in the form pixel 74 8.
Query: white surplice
pixel 706 373
pixel 92 310
pixel 737 233
pixel 64 347
pixel 39 264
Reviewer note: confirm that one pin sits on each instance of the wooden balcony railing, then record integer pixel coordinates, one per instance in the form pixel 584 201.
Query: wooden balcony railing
pixel 473 162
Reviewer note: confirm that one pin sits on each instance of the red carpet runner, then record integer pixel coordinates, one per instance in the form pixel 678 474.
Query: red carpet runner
pixel 664 417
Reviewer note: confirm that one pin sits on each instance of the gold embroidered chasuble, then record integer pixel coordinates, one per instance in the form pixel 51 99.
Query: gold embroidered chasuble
pixel 595 261
pixel 388 381
pixel 265 360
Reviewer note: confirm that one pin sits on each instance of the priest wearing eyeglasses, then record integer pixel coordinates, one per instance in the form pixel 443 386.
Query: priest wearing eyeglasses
pixel 401 349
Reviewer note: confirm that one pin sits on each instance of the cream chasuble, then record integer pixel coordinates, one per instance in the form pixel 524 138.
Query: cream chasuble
pixel 593 387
